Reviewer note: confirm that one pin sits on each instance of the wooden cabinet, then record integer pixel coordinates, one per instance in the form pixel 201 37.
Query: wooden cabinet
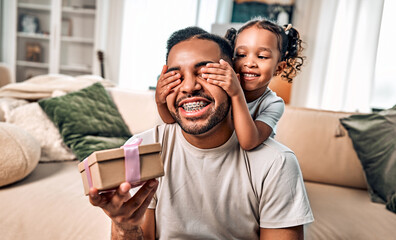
pixel 54 36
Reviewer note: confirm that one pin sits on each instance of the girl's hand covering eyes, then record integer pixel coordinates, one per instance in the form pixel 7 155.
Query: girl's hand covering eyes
pixel 224 76
pixel 166 82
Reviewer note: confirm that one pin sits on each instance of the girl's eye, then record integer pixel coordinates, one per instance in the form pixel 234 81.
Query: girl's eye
pixel 263 57
pixel 240 55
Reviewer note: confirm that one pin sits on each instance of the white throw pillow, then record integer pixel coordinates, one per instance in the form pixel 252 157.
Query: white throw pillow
pixel 7 105
pixel 20 153
pixel 32 118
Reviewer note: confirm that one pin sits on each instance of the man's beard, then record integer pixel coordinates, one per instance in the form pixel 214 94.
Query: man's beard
pixel 219 114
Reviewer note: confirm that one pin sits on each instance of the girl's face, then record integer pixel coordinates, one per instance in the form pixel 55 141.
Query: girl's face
pixel 256 58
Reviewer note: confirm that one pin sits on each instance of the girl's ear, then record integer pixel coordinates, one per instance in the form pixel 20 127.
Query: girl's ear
pixel 280 67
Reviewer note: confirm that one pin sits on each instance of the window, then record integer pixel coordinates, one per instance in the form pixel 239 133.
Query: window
pixel 384 89
pixel 147 25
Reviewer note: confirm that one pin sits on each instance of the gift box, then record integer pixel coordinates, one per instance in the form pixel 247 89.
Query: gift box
pixel 109 168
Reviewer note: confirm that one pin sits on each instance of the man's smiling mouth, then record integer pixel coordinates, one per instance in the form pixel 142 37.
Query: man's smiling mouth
pixel 194 106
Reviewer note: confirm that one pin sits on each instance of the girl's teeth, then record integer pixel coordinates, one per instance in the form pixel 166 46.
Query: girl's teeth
pixel 250 75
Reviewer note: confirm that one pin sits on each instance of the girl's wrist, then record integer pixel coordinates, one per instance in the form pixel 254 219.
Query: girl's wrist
pixel 238 97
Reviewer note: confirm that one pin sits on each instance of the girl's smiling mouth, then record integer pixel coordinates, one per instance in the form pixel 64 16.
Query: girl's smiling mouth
pixel 249 76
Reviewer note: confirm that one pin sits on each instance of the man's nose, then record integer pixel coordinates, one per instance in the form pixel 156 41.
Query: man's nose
pixel 190 83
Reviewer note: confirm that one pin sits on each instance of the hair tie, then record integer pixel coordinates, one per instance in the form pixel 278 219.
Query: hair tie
pixel 231 35
pixel 288 27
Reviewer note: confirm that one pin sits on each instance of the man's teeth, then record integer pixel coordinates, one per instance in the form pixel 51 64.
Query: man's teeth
pixel 193 106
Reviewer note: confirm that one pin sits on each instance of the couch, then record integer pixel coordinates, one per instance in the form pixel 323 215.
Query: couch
pixel 50 204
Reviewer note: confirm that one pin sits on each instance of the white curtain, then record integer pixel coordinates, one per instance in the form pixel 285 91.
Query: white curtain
pixel 341 47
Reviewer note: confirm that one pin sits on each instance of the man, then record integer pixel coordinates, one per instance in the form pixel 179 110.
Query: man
pixel 212 189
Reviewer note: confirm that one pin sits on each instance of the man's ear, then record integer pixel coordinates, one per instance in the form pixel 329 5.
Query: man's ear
pixel 280 67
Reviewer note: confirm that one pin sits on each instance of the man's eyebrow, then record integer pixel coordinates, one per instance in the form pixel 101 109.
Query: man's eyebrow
pixel 172 69
pixel 200 64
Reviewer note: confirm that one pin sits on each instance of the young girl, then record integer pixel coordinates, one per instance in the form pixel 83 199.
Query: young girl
pixel 262 49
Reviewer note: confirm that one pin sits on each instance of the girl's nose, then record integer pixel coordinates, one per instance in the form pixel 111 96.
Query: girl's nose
pixel 250 63
pixel 190 84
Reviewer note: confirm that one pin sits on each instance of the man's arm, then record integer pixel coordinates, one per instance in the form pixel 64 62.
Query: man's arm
pixel 127 213
pixel 292 233
pixel 148 226
pixel 145 231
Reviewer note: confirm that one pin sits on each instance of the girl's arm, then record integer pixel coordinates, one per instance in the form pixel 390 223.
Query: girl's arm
pixel 250 133
pixel 166 82
pixel 164 113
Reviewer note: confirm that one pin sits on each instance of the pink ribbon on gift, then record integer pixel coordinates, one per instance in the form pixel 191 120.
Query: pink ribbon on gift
pixel 88 172
pixel 132 161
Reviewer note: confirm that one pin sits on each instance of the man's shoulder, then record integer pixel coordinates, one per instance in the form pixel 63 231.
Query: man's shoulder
pixel 270 150
pixel 271 145
pixel 271 156
pixel 155 134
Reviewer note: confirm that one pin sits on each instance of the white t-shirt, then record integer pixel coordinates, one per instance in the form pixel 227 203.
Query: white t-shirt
pixel 271 108
pixel 225 192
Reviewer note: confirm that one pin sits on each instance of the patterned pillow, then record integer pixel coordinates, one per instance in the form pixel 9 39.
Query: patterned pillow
pixel 88 120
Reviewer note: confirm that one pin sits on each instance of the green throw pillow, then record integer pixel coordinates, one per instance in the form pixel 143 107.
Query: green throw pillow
pixel 88 120
pixel 374 139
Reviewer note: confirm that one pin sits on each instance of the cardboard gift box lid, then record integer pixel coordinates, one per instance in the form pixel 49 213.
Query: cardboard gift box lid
pixel 116 153
pixel 107 167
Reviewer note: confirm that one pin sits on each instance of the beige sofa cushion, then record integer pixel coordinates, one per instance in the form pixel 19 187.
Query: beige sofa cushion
pixel 20 153
pixel 347 213
pixel 130 102
pixel 327 155
pixel 50 204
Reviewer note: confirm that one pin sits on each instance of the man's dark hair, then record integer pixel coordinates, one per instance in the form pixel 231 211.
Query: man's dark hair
pixel 199 33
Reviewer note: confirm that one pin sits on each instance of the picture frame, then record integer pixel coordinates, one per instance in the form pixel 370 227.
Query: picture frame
pixel 28 23
pixel 33 52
